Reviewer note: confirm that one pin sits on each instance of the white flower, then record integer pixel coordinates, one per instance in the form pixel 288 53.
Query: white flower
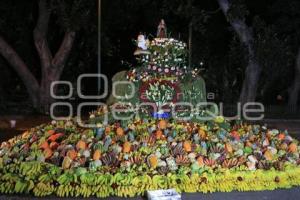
pixel 159 69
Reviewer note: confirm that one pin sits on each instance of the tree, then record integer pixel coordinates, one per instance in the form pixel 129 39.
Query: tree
pixel 235 14
pixel 52 64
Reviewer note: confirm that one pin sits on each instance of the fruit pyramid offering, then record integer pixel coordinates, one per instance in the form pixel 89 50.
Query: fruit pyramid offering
pixel 128 157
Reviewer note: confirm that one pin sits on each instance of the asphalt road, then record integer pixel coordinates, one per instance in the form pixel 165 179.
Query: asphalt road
pixel 282 194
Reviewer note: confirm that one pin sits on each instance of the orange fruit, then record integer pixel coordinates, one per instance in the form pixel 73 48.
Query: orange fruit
pixel 158 134
pixel 48 153
pixel 107 130
pixel 72 154
pixel 126 147
pixel 54 145
pixel 200 161
pixel 120 131
pixel 97 155
pixel 281 136
pixel 293 148
pixel 152 161
pixel 202 134
pixel 81 145
pixel 187 146
pixel 162 124
pixel 51 132
pixel 44 145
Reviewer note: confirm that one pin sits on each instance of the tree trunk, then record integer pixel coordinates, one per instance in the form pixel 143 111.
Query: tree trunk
pixel 294 91
pixel 253 70
pixel 22 70
pixel 52 67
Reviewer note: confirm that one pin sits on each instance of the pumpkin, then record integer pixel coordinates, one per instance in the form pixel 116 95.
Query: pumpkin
pixel 200 161
pixel 48 153
pixel 202 134
pixel 97 155
pixel 158 134
pixel 126 147
pixel 281 136
pixel 44 145
pixel 162 124
pixel 54 145
pixel 72 154
pixel 120 131
pixel 81 144
pixel 187 146
pixel 293 148
pixel 152 161
pixel 228 148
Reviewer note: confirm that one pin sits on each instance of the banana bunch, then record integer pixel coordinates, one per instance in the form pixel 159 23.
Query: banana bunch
pixel 7 187
pixel 125 191
pixel 65 190
pixel 23 186
pixel 102 191
pixel 85 190
pixel 9 177
pixel 43 189
pixel 87 178
pixel 159 182
pixel 30 169
pixel 142 183
pixel 103 179
pixel 66 178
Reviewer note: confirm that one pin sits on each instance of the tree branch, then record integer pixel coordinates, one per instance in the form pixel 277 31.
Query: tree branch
pixel 40 34
pixel 20 67
pixel 64 49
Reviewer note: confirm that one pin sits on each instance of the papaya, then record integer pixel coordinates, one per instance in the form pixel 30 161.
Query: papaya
pixel 97 154
pixel 187 146
pixel 81 144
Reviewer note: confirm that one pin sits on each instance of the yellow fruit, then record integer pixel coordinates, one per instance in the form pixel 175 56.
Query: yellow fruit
pixel 66 163
pixel 268 155
pixel 228 148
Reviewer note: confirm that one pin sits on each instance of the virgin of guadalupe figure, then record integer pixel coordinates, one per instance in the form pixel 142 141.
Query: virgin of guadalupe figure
pixel 162 29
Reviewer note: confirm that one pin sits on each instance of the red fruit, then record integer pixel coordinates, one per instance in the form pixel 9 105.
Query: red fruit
pixel 281 136
pixel 44 145
pixel 54 137
pixel 235 134
pixel 48 153
pixel 51 132
pixel 54 145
